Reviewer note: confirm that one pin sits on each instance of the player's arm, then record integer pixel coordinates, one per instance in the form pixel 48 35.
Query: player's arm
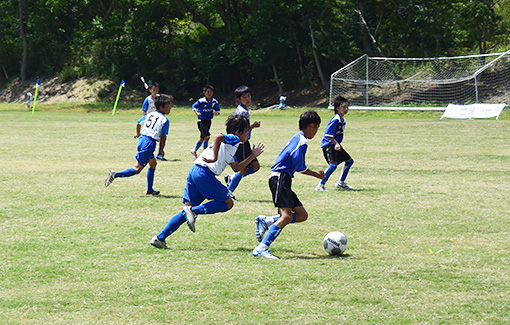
pixel 162 142
pixel 195 108
pixel 216 111
pixel 319 174
pixel 257 151
pixel 338 147
pixel 255 124
pixel 145 106
pixel 138 128
pixel 218 139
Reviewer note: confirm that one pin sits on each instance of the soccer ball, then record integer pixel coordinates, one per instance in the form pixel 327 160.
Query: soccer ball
pixel 335 243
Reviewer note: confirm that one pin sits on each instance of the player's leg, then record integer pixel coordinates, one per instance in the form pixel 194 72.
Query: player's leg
pixel 329 153
pixel 150 177
pixel 344 156
pixel 206 126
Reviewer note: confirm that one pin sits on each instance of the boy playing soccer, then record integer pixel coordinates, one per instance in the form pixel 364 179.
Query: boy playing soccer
pixel 155 128
pixel 243 95
pixel 290 210
pixel 205 109
pixel 334 153
pixel 202 184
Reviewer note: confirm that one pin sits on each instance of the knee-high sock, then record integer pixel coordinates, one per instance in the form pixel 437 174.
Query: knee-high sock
pixel 150 179
pixel 172 225
pixel 210 207
pixel 126 173
pixel 205 144
pixel 271 235
pixel 345 169
pixel 234 181
pixel 197 145
pixel 329 171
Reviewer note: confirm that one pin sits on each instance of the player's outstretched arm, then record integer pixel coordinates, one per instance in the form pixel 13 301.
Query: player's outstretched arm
pixel 257 151
pixel 319 174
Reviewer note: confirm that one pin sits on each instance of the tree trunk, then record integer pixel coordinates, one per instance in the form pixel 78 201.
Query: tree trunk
pixel 24 40
pixel 324 82
pixel 277 80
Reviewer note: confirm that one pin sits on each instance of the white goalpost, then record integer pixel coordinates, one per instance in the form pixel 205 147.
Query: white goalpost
pixel 423 83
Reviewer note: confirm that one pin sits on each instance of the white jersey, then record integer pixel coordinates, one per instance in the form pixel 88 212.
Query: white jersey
pixel 154 125
pixel 226 154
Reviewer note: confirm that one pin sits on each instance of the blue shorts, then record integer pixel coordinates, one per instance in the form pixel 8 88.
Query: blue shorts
pixel 146 146
pixel 202 184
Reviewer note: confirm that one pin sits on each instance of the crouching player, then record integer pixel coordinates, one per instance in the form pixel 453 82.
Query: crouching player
pixel 202 184
pixel 290 210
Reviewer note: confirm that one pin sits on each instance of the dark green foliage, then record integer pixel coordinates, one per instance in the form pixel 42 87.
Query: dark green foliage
pixel 184 44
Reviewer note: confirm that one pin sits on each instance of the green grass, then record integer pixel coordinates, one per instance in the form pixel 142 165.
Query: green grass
pixel 428 225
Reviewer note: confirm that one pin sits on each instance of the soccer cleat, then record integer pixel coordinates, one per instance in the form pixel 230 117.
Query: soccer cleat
pixel 261 227
pixel 193 153
pixel 153 192
pixel 160 157
pixel 228 179
pixel 110 178
pixel 158 243
pixel 264 252
pixel 343 186
pixel 320 187
pixel 190 216
pixel 232 196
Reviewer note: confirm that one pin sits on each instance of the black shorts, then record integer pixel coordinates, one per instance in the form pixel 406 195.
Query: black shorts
pixel 204 126
pixel 283 196
pixel 244 151
pixel 331 155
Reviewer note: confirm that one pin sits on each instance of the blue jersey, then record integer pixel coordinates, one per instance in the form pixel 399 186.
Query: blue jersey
pixel 241 110
pixel 335 129
pixel 206 108
pixel 292 158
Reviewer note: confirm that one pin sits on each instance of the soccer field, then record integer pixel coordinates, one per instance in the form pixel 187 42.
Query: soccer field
pixel 428 225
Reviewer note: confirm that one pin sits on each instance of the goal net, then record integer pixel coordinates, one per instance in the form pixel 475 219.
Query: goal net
pixel 420 82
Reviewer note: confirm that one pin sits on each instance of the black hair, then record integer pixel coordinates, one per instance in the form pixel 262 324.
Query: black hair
pixel 207 87
pixel 241 90
pixel 153 84
pixel 162 99
pixel 307 118
pixel 337 102
pixel 237 123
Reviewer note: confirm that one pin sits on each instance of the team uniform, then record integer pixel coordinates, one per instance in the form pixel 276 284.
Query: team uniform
pixel 334 129
pixel 206 109
pixel 149 105
pixel 290 160
pixel 202 184
pixel 154 125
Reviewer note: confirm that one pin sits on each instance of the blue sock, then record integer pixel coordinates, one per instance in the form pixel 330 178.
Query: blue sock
pixel 249 171
pixel 126 173
pixel 205 144
pixel 271 235
pixel 345 169
pixel 234 182
pixel 197 146
pixel 329 171
pixel 150 179
pixel 172 225
pixel 210 207
pixel 293 218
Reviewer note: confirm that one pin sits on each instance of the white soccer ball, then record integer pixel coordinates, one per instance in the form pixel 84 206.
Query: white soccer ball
pixel 335 243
